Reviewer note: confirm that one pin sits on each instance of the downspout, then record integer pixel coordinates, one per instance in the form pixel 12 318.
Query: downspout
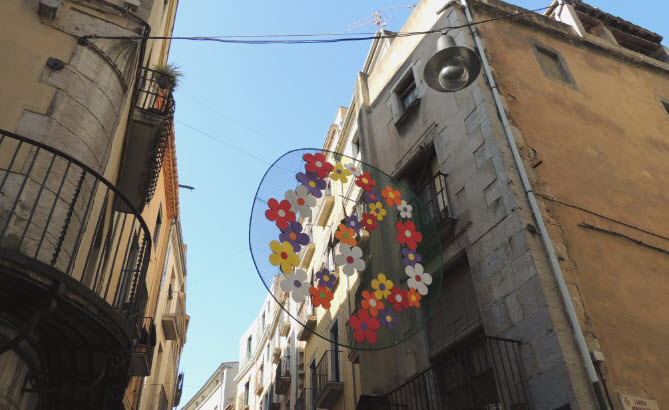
pixel 564 292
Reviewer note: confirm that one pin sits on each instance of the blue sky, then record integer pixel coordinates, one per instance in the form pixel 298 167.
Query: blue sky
pixel 264 100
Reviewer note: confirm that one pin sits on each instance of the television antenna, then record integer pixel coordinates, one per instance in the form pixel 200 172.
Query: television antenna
pixel 378 19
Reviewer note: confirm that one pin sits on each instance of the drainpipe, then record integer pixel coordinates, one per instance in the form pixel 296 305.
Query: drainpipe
pixel 564 292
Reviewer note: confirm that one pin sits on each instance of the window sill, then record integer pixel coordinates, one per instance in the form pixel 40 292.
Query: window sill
pixel 408 112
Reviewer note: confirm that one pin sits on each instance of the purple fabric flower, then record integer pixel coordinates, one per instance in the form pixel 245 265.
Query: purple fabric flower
pixel 326 278
pixel 293 235
pixel 313 184
pixel 353 222
pixel 388 317
pixel 411 257
pixel 372 196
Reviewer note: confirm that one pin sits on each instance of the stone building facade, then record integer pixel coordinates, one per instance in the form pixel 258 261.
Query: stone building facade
pixel 218 392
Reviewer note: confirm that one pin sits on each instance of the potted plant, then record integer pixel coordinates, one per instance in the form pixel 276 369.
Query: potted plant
pixel 168 75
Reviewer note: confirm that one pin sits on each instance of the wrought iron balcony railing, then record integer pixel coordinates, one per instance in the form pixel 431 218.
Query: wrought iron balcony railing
pixel 434 197
pixel 153 91
pixel 329 384
pixel 282 376
pixel 57 211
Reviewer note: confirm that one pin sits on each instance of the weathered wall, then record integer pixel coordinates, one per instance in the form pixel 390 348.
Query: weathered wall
pixel 603 148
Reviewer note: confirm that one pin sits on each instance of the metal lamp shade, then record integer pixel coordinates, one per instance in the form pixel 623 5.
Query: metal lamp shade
pixel 451 68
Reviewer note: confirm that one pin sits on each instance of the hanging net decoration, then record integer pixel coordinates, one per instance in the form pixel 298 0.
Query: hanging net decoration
pixel 342 241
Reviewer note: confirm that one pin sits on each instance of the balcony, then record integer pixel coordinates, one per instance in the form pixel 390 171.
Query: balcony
pixel 482 373
pixel 274 400
pixel 329 385
pixel 179 390
pixel 142 351
pixel 73 258
pixel 282 377
pixel 276 355
pixel 243 401
pixel 174 320
pixel 325 209
pixel 259 382
pixel 153 92
pixel 308 319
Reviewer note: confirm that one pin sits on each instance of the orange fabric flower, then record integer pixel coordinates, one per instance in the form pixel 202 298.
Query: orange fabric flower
pixel 392 196
pixel 346 235
pixel 371 303
pixel 321 296
pixel 414 298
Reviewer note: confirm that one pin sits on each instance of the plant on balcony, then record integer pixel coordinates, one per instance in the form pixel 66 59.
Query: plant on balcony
pixel 169 75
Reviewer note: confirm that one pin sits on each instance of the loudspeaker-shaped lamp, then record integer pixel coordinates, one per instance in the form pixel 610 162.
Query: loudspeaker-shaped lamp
pixel 451 68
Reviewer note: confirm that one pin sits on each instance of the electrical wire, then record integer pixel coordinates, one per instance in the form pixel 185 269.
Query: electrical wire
pixel 252 39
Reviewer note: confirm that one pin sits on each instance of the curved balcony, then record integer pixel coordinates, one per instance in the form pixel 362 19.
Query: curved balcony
pixel 73 259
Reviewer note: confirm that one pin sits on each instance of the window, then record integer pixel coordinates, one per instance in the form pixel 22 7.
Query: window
pixel 246 394
pixel 156 229
pixel 263 320
pixel 409 95
pixel 553 64
pixel 355 145
pixel 249 345
pixel 406 96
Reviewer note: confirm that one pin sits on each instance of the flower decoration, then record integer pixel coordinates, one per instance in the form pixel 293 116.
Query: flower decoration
pixel 414 298
pixel 372 196
pixel 314 185
pixel 371 303
pixel 353 223
pixel 365 326
pixel 283 256
pixel 296 285
pixel 377 210
pixel 410 257
pixel 346 235
pixel 326 278
pixel 321 296
pixel 399 298
pixel 405 209
pixel 392 196
pixel 293 234
pixel 365 181
pixel 381 286
pixel 407 234
pixel 369 222
pixel 417 278
pixel 355 170
pixel 389 318
pixel 300 200
pixel 350 259
pixel 317 164
pixel 339 173
pixel 280 212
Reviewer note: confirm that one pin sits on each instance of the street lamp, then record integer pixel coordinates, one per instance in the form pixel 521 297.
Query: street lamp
pixel 451 68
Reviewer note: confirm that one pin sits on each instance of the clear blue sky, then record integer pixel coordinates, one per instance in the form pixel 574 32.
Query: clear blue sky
pixel 264 99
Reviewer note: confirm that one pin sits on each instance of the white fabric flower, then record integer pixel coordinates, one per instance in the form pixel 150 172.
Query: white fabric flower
pixel 350 259
pixel 355 170
pixel 300 200
pixel 296 284
pixel 417 278
pixel 405 209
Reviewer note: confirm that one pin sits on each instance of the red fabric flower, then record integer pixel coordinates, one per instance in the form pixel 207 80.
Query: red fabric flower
pixel 321 296
pixel 280 212
pixel 317 163
pixel 365 181
pixel 368 221
pixel 399 298
pixel 365 326
pixel 408 234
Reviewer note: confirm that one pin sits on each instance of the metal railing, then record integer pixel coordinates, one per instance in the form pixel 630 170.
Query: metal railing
pixel 56 210
pixel 301 402
pixel 434 197
pixel 153 91
pixel 175 308
pixel 481 374
pixel 328 370
pixel 179 390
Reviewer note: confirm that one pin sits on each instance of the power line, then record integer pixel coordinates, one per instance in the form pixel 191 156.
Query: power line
pixel 252 39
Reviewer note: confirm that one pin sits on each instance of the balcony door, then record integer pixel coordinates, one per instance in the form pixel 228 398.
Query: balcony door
pixel 335 372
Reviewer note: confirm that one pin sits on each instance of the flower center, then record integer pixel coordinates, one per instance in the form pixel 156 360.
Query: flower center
pixel 413 297
pixel 281 213
pixel 319 164
pixel 312 184
pixel 418 278
pixel 372 303
pixel 339 171
pixel 369 222
pixel 297 284
pixel 353 169
pixel 300 201
pixel 391 195
pixel 326 278
pixel 322 295
pixel 411 257
pixel 389 318
pixel 363 327
pixel 345 236
pixel 284 255
pixel 398 298
pixel 382 286
pixel 407 233
pixel 349 259
pixel 377 210
pixel 292 236
pixel 365 181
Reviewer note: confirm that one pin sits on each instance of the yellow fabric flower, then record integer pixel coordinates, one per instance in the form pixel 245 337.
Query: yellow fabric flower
pixel 381 286
pixel 339 173
pixel 283 256
pixel 377 210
